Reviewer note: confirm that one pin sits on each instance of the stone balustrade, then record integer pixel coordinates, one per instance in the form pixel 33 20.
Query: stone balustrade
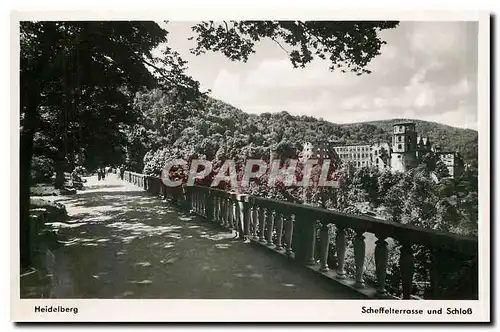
pixel 305 234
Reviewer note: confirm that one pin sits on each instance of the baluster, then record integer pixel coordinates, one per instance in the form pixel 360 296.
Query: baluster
pixel 435 273
pixel 324 242
pixel 223 211
pixel 227 212
pixel 279 231
pixel 244 215
pixel 406 266
pixel 199 200
pixel 381 257
pixel 196 201
pixel 262 224
pixel 255 222
pixel 215 203
pixel 359 257
pixel 185 193
pixel 270 227
pixel 340 246
pixel 203 205
pixel 240 216
pixel 311 260
pixel 219 210
pixel 192 198
pixel 248 218
pixel 229 208
pixel 234 214
pixel 289 234
pixel 207 206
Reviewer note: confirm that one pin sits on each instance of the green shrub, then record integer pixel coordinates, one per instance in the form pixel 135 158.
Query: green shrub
pixel 42 169
pixel 55 211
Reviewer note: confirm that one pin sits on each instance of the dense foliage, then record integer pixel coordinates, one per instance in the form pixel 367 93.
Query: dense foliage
pixel 215 131
pixel 77 82
pixel 348 45
pixel 93 93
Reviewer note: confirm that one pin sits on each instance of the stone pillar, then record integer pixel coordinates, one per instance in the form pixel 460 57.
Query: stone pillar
pixel 381 257
pixel 270 227
pixel 340 246
pixel 289 235
pixel 406 266
pixel 262 224
pixel 243 220
pixel 311 245
pixel 255 221
pixel 359 257
pixel 279 231
pixel 324 242
pixel 210 206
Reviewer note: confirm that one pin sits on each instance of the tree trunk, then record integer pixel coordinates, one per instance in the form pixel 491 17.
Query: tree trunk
pixel 26 152
pixel 59 169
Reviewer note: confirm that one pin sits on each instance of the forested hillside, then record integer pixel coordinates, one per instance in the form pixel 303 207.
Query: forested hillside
pixel 218 131
pixel 450 138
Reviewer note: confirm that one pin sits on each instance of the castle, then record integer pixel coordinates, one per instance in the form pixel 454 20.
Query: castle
pixel 401 155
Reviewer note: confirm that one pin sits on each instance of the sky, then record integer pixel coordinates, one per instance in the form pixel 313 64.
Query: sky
pixel 426 71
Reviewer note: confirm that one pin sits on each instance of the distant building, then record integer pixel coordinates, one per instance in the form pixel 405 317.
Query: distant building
pixel 320 150
pixel 402 154
pixel 404 146
pixel 452 160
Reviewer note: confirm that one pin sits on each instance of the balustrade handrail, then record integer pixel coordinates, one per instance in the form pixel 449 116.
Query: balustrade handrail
pixel 411 234
pixel 273 223
pixel 136 174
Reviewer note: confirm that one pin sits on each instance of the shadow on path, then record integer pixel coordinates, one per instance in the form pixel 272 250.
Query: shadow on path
pixel 120 242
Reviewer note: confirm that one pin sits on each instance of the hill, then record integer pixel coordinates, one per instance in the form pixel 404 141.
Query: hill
pixel 218 130
pixel 306 128
pixel 450 138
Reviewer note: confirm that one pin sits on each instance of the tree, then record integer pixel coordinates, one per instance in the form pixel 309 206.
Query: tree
pixel 349 46
pixel 81 75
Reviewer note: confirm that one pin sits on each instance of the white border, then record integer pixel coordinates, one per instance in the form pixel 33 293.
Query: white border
pixel 250 310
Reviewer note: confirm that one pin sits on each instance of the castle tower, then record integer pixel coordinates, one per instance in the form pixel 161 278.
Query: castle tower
pixel 404 146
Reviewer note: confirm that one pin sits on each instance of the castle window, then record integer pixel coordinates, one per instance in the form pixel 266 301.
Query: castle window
pixel 376 152
pixel 400 138
pixel 399 156
pixel 399 147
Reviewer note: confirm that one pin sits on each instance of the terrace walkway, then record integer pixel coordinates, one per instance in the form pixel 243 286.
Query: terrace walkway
pixel 121 242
